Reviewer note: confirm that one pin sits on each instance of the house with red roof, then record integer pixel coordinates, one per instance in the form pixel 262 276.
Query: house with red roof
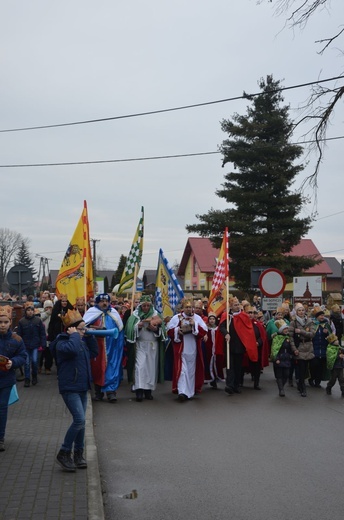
pixel 306 247
pixel 198 263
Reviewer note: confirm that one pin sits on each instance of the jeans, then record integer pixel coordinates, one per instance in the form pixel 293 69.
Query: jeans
pixel 31 360
pixel 4 397
pixel 76 403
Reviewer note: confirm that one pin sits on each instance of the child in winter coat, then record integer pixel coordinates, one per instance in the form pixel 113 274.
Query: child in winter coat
pixel 335 363
pixel 281 355
pixel 12 356
pixel 73 351
pixel 32 330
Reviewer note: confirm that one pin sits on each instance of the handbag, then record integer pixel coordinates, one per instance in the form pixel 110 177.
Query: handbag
pixel 14 397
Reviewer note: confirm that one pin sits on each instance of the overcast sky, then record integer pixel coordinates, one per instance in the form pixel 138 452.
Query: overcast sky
pixel 79 60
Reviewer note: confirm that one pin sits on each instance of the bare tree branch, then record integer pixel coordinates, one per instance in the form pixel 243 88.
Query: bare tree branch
pixel 329 41
pixel 322 103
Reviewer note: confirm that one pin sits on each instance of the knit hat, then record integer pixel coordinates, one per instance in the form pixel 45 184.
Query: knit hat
pixel 72 317
pixel 281 325
pixel 6 310
pixel 103 296
pixel 47 303
pixel 331 338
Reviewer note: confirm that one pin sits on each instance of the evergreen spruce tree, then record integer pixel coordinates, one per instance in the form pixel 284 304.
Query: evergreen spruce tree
pixel 262 217
pixel 23 257
pixel 119 271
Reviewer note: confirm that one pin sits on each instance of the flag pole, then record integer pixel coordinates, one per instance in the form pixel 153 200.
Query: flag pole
pixel 85 238
pixel 227 327
pixel 134 286
pixel 227 295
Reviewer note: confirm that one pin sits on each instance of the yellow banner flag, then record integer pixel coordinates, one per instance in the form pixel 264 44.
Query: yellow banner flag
pixel 75 277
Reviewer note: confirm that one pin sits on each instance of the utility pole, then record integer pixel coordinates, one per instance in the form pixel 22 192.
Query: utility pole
pixel 44 272
pixel 94 245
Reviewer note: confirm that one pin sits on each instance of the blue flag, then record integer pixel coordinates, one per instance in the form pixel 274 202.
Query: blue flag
pixel 168 292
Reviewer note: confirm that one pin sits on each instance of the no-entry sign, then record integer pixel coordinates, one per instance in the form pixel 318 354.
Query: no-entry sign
pixel 272 282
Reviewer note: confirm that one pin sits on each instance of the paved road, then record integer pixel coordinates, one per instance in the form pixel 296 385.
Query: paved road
pixel 253 456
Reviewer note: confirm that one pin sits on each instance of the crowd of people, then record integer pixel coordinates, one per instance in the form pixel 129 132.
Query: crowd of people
pixel 93 342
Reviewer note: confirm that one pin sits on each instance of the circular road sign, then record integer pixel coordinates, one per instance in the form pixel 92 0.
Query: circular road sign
pixel 272 282
pixel 19 275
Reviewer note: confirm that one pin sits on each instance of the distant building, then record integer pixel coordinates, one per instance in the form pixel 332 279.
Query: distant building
pixel 198 265
pixel 199 261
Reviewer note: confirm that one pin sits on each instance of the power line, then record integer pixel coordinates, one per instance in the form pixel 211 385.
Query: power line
pixel 137 159
pixel 332 215
pixel 162 111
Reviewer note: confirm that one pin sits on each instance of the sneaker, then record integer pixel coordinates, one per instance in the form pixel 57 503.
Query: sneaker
pixel 2 445
pixel 98 396
pixel 79 460
pixel 34 380
pixel 64 459
pixel 111 397
pixel 182 398
pixel 229 390
pixel 27 383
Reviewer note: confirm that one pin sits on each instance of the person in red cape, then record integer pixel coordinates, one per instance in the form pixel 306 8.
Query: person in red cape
pixel 186 331
pixel 241 339
pixel 255 368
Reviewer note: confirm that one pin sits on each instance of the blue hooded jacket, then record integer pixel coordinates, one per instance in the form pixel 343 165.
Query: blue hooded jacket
pixel 73 354
pixel 11 346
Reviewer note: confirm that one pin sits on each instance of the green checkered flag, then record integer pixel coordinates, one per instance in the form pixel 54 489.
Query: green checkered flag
pixel 134 257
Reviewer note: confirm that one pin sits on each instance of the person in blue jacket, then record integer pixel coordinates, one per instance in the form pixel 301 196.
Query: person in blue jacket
pixel 72 351
pixel 12 356
pixel 32 330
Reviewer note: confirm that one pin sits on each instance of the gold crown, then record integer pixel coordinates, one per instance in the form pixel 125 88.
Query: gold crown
pixel 331 338
pixel 6 310
pixel 71 317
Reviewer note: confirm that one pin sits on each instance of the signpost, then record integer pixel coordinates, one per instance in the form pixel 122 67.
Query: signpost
pixel 19 277
pixel 272 282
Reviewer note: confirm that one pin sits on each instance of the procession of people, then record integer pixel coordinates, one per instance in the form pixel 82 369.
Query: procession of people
pixel 102 340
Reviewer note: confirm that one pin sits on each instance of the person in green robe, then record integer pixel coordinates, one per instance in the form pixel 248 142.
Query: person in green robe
pixel 145 334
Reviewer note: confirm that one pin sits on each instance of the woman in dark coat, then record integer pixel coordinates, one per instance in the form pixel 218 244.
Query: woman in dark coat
pixel 60 309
